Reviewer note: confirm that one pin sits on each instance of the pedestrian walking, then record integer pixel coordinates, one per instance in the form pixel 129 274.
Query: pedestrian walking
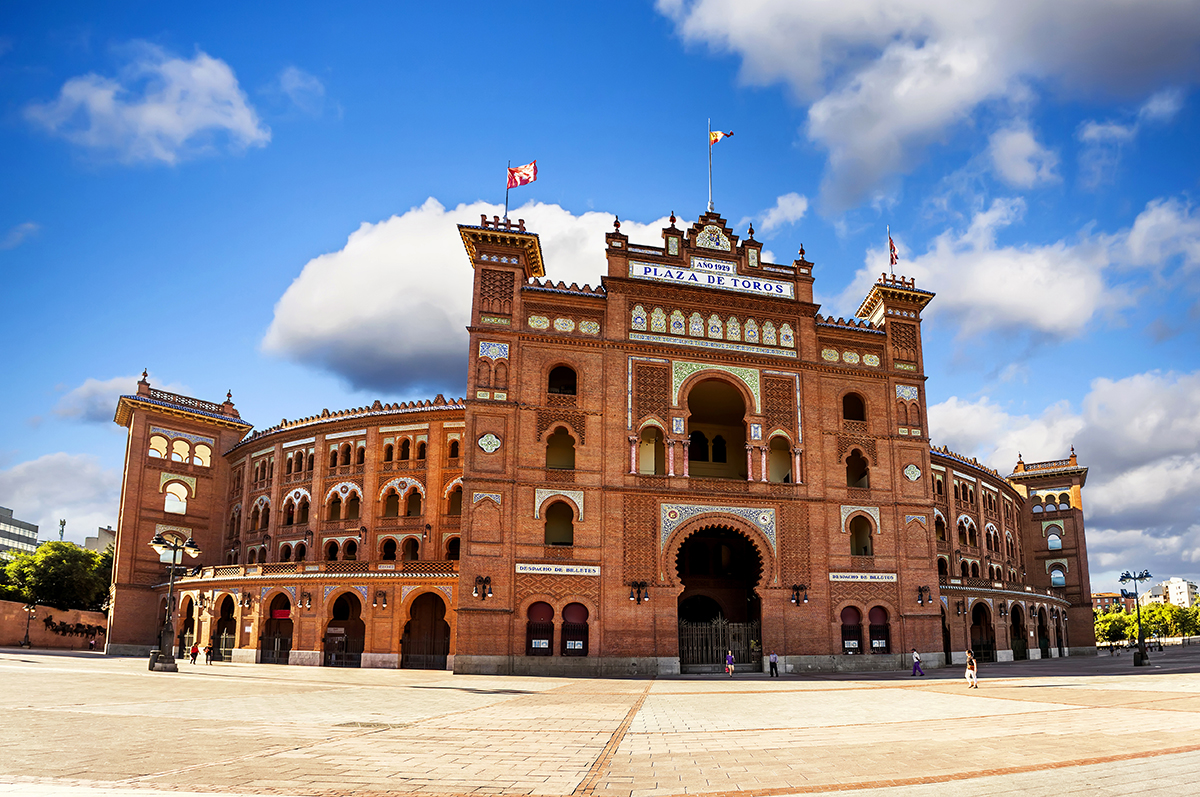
pixel 972 671
pixel 729 662
pixel 92 643
pixel 195 652
pixel 917 663
pixel 208 653
pixel 774 661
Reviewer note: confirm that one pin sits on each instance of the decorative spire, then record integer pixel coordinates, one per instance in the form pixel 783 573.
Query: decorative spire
pixel 617 223
pixel 751 233
pixel 672 219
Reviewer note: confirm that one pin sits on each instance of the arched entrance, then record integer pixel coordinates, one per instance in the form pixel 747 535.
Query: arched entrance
pixel 983 633
pixel 1020 640
pixel 187 629
pixel 718 609
pixel 716 431
pixel 226 631
pixel 426 640
pixel 276 642
pixel 945 636
pixel 345 633
pixel 1043 632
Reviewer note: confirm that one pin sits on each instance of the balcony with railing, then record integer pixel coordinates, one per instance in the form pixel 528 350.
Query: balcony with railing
pixel 954 583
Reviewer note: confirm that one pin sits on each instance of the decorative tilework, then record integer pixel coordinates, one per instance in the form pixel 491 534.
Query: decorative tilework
pixel 489 443
pixel 362 591
pixel 677 426
pixel 589 327
pixel 703 343
pixel 751 330
pixel 406 590
pixel 195 438
pixel 907 392
pixel 786 337
pixel 403 486
pixel 500 396
pixel 696 326
pixel 678 325
pixel 906 367
pixel 477 497
pixel 715 327
pixel 329 590
pixel 658 320
pixel 912 472
pixel 712 237
pixel 871 360
pixel 164 529
pixel 343 489
pixel 756 431
pixel 541 494
pixel 261 501
pixel 448 591
pixel 682 369
pixel 918 518
pixel 768 334
pixel 672 245
pixel 829 355
pixel 873 511
pixel 493 351
pixel 539 322
pixel 752 258
pixel 564 325
pixel 455 482
pixel 850 357
pixel 638 319
pixel 298 493
pixel 733 330
pixel 491 319
pixel 673 515
pixel 483 394
pixel 190 481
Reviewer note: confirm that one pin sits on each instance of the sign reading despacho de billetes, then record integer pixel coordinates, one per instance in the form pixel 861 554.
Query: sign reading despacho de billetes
pixel 707 273
pixel 862 576
pixel 560 570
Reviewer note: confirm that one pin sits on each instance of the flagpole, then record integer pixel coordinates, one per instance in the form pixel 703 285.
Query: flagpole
pixel 891 260
pixel 506 173
pixel 710 202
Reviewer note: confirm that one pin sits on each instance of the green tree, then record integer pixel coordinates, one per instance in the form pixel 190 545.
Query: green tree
pixel 59 574
pixel 1156 620
pixel 1112 626
pixel 9 592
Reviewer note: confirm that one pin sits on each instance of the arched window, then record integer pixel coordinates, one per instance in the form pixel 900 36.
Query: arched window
pixel 331 551
pixel 254 519
pixel 361 456
pixel 454 449
pixel 779 460
pixel 180 451
pixel 158 447
pixel 350 551
pixel 939 487
pixel 388 452
pixel 301 551
pixel 411 549
pixel 939 528
pixel 388 551
pixel 391 504
pixel 264 520
pixel 560 526
pixel 421 450
pixel 289 514
pixel 562 381
pixel 698 447
pixel 452 549
pixel 1058 578
pixel 574 630
pixel 345 458
pixel 333 458
pixel 285 553
pixel 454 507
pixel 881 637
pixel 1053 542
pixel 966 569
pixel 311 461
pixel 335 508
pixel 175 500
pixel 287 471
pixel 962 532
pixel 858 472
pixel 501 380
pixel 853 407
pixel 252 556
pixel 860 537
pixel 202 456
pixel 651 452
pixel 405 449
pixel 539 629
pixel 353 504
pixel 851 631
pixel 483 374
pixel 560 450
pixel 302 512
pixel 957 494
pixel 974 569
pixel 943 567
pixel 719 453
pixel 412 507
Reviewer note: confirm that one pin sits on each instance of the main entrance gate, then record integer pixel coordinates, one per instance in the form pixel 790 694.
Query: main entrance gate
pixel 718 610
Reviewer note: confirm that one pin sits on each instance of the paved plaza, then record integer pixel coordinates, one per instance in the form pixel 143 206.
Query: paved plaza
pixel 85 724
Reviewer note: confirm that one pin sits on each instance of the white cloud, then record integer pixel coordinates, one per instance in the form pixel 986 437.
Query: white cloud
pixel 789 209
pixel 1139 437
pixel 95 401
pixel 1019 160
pixel 159 108
pixel 389 310
pixel 1103 142
pixel 18 234
pixel 887 78
pixel 74 487
pixel 1161 107
pixel 306 91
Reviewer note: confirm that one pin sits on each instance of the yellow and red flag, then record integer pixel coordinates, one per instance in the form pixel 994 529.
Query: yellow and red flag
pixel 716 135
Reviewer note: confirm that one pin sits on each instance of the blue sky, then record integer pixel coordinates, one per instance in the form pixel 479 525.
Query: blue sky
pixel 264 201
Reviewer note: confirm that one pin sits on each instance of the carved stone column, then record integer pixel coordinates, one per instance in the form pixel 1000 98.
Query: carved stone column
pixel 670 457
pixel 765 472
pixel 796 465
pixel 633 441
pixel 683 444
pixel 749 463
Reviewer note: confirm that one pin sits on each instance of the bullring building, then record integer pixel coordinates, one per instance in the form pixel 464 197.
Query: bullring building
pixel 685 460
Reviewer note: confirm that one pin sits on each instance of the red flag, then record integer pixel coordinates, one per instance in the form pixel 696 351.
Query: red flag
pixel 716 135
pixel 892 247
pixel 522 175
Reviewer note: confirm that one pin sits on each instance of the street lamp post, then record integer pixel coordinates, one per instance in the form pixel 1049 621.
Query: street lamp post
pixel 30 614
pixel 162 660
pixel 1126 577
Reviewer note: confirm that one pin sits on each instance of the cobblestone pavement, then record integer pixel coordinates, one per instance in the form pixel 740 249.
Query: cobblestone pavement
pixel 84 724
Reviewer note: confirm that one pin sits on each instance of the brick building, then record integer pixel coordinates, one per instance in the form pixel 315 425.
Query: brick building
pixel 686 460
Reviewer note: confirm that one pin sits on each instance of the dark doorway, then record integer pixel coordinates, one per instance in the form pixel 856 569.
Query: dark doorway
pixel 426 640
pixel 983 633
pixel 345 633
pixel 187 631
pixel 716 430
pixel 276 642
pixel 226 631
pixel 945 637
pixel 718 609
pixel 1043 632
pixel 1020 641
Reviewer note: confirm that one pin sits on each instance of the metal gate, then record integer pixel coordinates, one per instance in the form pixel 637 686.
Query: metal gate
pixel 343 651
pixel 224 651
pixel 275 649
pixel 702 646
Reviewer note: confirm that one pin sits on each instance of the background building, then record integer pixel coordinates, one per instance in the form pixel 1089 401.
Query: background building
pixel 1113 601
pixel 104 538
pixel 16 536
pixel 1176 591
